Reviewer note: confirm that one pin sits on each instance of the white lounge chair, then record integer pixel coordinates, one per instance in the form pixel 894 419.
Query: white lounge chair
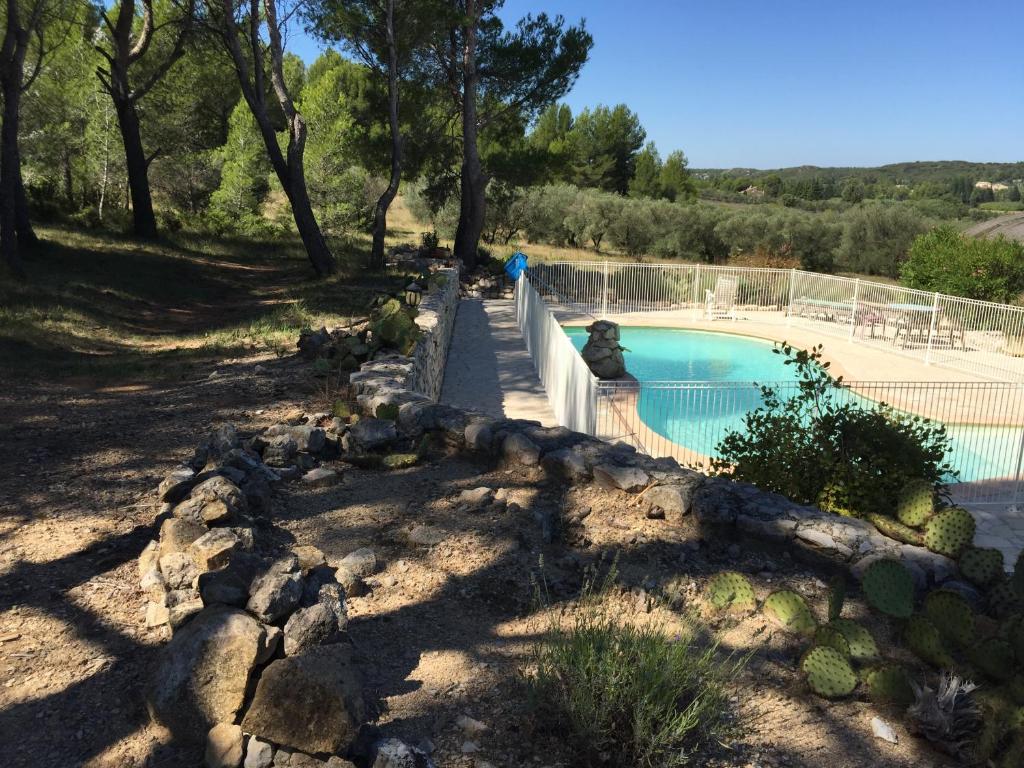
pixel 721 302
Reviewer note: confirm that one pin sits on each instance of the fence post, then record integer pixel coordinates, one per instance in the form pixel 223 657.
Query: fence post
pixel 1018 491
pixel 604 290
pixel 792 289
pixel 696 293
pixel 931 330
pixel 853 313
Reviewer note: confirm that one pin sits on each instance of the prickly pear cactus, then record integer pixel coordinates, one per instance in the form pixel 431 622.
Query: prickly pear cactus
pixel 889 588
pixel 862 645
pixel 1017 579
pixel 399 460
pixel 1003 599
pixel 828 672
pixel 731 591
pixel 916 503
pixel 950 532
pixel 995 658
pixel 787 609
pixel 889 684
pixel 952 615
pixel 1013 632
pixel 981 565
pixel 925 640
pixel 836 596
pixel 387 411
pixel 830 637
pixel 894 529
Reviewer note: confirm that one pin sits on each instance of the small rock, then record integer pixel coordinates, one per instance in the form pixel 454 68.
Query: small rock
pixel 476 497
pixel 369 434
pixel 157 615
pixel 309 558
pixel 271 641
pixel 624 478
pixel 177 484
pixel 352 584
pixel 224 746
pixel 362 562
pixel 309 627
pixel 274 595
pixel 258 754
pixel 182 612
pixel 520 449
pixel 479 436
pixel 179 570
pixel 280 451
pixel 213 549
pixel 469 747
pixel 470 726
pixel 320 477
pixel 883 730
pixel 177 533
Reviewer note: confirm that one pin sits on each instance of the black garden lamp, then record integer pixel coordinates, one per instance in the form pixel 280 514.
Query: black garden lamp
pixel 413 294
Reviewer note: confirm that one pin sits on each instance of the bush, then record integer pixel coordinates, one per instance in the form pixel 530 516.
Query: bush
pixel 876 238
pixel 629 696
pixel 947 261
pixel 634 229
pixel 797 446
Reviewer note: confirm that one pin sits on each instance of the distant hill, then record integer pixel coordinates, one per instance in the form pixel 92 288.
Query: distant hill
pixel 1011 226
pixel 897 173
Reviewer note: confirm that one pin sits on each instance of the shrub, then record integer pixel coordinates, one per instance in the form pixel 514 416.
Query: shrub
pixel 629 696
pixel 947 261
pixel 797 446
pixel 634 229
pixel 876 238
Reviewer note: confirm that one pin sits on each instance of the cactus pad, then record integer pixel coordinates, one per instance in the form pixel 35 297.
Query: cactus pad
pixel 925 640
pixel 889 684
pixel 828 672
pixel 894 529
pixel 994 657
pixel 731 591
pixel 787 609
pixel 1003 599
pixel 950 532
pixel 830 637
pixel 952 615
pixel 889 588
pixel 981 566
pixel 916 503
pixel 1017 579
pixel 399 460
pixel 862 645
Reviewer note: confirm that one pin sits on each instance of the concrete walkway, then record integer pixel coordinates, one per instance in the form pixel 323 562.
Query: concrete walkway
pixel 489 369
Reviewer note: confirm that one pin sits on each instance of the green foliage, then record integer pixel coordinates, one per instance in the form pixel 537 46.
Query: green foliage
pixel 236 204
pixel 981 566
pixel 604 144
pixel 916 503
pixel 1003 599
pixel 797 445
pixel 646 181
pixel 622 695
pixel 387 411
pixel 948 261
pixel 392 326
pixel 789 610
pixel 399 460
pixel 889 588
pixel 836 596
pixel 731 591
pixel 950 532
pixel 994 656
pixel 828 672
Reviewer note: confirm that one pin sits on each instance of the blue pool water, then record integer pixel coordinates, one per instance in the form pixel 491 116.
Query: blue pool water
pixel 698 417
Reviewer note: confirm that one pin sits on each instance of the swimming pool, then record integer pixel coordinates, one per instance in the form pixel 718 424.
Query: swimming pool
pixel 724 367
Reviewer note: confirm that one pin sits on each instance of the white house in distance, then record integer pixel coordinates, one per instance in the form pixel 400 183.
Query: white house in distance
pixel 997 186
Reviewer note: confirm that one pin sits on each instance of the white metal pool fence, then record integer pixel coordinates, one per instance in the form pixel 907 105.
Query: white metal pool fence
pixel 977 337
pixel 688 420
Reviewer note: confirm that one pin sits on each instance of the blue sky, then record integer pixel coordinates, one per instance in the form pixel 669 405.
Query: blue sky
pixel 782 83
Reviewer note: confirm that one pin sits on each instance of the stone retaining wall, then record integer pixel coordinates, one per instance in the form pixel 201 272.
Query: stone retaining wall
pixel 437 320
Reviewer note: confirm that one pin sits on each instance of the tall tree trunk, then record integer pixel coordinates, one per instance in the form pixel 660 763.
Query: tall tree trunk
pixel 380 212
pixel 144 220
pixel 302 210
pixel 12 53
pixel 473 184
pixel 27 238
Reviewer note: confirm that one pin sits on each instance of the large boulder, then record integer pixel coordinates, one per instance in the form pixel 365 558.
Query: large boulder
pixel 203 672
pixel 311 702
pixel 274 595
pixel 369 434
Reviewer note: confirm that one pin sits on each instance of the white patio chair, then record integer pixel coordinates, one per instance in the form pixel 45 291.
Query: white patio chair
pixel 721 302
